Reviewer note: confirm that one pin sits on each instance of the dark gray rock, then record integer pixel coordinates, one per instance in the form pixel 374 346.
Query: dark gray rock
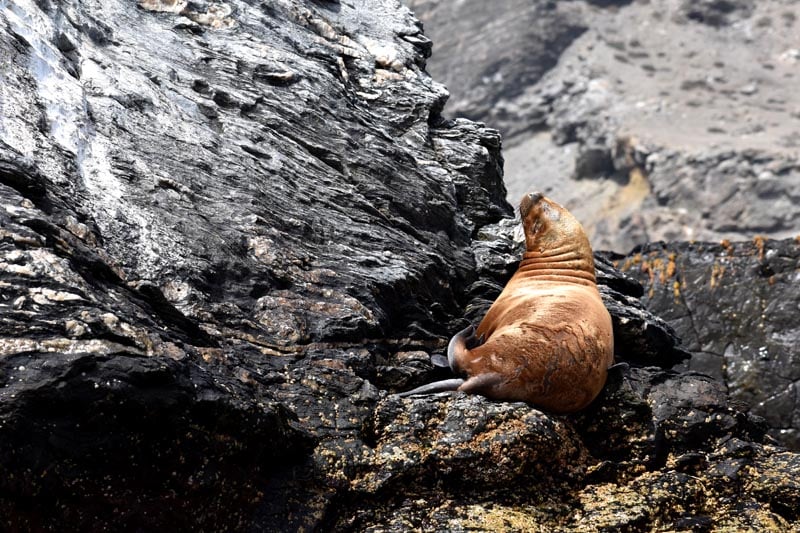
pixel 735 306
pixel 179 192
pixel 109 394
pixel 231 231
pixel 716 12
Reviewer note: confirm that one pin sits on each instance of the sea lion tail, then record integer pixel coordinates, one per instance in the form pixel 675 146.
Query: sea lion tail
pixel 437 386
pixel 461 342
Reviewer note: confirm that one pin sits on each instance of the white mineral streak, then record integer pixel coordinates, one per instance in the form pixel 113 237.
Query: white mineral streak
pixel 386 54
pixel 166 6
pixel 65 102
pixel 67 111
pixel 60 93
pixel 45 296
pixel 13 346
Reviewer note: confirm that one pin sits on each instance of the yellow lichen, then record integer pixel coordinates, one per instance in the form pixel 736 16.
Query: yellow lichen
pixel 676 290
pixel 759 241
pixel 636 259
pixel 671 264
pixel 497 517
pixel 726 245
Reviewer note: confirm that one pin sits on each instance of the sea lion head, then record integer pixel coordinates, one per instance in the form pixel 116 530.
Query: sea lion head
pixel 549 226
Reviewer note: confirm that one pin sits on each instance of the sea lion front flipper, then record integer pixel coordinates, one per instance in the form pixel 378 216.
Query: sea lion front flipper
pixel 622 366
pixel 618 372
pixel 437 386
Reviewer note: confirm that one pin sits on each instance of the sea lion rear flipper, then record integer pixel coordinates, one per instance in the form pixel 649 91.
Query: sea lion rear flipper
pixel 461 342
pixel 483 384
pixel 436 386
pixel 439 361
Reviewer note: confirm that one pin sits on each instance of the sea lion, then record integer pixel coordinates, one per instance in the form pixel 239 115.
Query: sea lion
pixel 547 339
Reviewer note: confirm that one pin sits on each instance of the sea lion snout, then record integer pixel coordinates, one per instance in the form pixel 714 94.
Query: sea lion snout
pixel 527 203
pixel 537 199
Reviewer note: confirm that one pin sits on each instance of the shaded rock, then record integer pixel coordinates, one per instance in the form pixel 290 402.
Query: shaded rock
pixel 735 307
pixel 639 335
pixel 88 444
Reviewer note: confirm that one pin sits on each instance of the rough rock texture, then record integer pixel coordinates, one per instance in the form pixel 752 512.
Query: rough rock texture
pixel 736 307
pixel 678 118
pixel 231 231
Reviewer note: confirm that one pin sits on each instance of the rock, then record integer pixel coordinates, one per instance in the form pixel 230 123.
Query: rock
pixel 105 389
pixel 735 307
pixel 177 200
pixel 225 246
pixel 715 12
pixel 468 462
pixel 640 336
pixel 643 118
pixel 514 46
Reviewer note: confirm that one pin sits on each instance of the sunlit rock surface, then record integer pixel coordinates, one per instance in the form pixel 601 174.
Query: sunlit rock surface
pixel 230 231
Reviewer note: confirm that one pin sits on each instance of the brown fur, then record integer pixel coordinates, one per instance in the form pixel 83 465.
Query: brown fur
pixel 548 337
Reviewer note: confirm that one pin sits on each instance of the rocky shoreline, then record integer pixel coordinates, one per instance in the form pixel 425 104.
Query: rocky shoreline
pixel 231 232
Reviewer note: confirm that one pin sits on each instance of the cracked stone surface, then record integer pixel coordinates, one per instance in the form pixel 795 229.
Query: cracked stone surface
pixel 735 306
pixel 230 232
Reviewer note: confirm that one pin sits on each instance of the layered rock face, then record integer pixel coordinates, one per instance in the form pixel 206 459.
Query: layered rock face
pixel 230 231
pixel 678 119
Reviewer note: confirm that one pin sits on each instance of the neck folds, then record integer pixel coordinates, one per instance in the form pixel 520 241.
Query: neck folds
pixel 560 264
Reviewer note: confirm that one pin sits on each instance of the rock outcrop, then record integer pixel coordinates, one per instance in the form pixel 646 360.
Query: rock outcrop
pixel 230 231
pixel 736 308
pixel 677 118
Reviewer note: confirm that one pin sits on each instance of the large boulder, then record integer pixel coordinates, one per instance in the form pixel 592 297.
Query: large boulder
pixel 735 305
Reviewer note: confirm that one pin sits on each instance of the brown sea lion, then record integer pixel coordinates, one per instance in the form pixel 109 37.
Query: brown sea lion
pixel 547 339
